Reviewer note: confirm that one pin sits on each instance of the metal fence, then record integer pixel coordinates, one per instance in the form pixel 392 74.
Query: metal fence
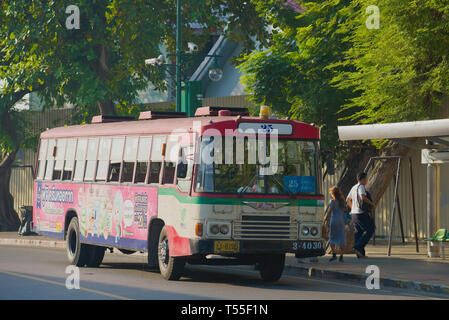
pixel 21 184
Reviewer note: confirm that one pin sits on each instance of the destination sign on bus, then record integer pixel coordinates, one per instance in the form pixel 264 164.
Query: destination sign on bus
pixel 284 129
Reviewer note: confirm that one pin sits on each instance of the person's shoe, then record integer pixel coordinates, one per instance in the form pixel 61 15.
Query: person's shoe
pixel 358 253
pixel 341 259
pixel 334 257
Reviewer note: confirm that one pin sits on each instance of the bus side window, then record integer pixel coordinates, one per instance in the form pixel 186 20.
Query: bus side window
pixel 155 170
pixel 103 159
pixel 59 159
pixel 91 164
pixel 184 171
pixel 171 157
pixel 80 161
pixel 115 163
pixel 156 158
pixel 129 159
pixel 50 159
pixel 69 160
pixel 169 172
pixel 42 159
pixel 143 155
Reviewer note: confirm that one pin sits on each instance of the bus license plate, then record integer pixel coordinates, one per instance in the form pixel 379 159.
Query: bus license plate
pixel 226 247
pixel 308 245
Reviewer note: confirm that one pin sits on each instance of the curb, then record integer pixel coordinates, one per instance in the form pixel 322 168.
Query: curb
pixel 34 243
pixel 44 244
pixel 318 273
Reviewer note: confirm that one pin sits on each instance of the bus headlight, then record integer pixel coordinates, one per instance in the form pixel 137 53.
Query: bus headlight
pixel 214 229
pixel 314 231
pixel 305 231
pixel 224 229
pixel 218 229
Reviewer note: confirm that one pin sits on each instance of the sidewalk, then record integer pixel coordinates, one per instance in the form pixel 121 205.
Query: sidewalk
pixel 12 238
pixel 405 268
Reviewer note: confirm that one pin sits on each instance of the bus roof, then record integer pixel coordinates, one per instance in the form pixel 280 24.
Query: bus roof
pixel 166 126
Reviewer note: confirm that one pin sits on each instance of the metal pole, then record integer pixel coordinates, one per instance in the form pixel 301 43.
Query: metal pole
pixel 178 55
pixel 413 202
pixel 394 207
pixel 431 207
pixel 400 217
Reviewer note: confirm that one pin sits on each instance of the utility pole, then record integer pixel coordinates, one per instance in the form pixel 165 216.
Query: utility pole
pixel 178 56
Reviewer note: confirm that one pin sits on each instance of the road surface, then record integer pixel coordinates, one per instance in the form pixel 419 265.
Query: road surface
pixel 39 273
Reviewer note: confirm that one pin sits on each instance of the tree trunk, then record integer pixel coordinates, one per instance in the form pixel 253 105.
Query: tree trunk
pixel 107 108
pixel 380 174
pixel 9 220
pixel 359 155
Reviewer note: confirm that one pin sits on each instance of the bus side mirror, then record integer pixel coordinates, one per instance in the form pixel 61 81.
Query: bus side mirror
pixel 330 164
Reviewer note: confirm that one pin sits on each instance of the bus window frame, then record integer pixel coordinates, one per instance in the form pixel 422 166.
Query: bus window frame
pixel 108 180
pixel 145 182
pixel 123 160
pixel 63 158
pixel 107 161
pixel 84 159
pixel 94 176
pixel 161 171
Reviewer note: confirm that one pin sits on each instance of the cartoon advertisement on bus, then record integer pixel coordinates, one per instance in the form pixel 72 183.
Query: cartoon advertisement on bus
pixel 115 215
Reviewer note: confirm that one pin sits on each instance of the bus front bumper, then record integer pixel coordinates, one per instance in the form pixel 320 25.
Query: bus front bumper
pixel 301 248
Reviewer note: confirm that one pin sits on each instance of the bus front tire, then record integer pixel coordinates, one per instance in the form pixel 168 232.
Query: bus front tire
pixel 77 252
pixel 171 267
pixel 271 267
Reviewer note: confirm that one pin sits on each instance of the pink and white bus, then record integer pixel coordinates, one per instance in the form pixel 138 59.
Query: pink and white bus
pixel 143 185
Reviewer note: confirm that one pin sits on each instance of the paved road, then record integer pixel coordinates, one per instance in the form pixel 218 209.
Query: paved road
pixel 29 272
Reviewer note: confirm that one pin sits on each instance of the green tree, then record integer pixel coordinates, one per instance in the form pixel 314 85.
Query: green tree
pixel 303 46
pixel 99 67
pixel 328 65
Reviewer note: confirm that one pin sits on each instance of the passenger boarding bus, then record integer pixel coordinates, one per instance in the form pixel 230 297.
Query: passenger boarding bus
pixel 218 188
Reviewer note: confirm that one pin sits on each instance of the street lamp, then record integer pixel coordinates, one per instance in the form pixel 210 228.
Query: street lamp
pixel 215 73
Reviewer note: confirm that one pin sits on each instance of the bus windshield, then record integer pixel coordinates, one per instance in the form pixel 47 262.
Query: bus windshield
pixel 282 167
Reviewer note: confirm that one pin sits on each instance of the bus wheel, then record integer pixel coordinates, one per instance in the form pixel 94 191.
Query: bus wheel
pixel 96 256
pixel 171 267
pixel 77 252
pixel 271 267
pixel 153 245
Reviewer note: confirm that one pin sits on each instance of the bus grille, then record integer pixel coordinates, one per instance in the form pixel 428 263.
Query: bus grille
pixel 261 227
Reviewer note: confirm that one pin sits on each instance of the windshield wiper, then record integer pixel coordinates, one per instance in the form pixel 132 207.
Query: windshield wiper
pixel 247 184
pixel 283 186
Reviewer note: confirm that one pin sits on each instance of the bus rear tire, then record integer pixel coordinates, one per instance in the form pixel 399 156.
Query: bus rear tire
pixel 271 267
pixel 77 252
pixel 96 256
pixel 171 267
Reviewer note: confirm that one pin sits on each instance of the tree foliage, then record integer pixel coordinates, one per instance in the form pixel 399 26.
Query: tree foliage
pixel 98 67
pixel 327 67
